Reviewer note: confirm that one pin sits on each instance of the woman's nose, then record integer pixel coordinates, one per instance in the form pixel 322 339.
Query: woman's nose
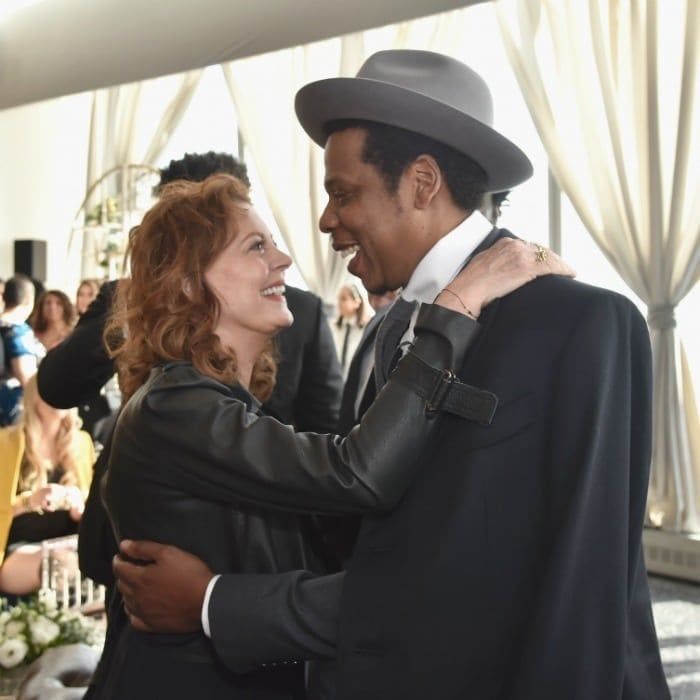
pixel 282 261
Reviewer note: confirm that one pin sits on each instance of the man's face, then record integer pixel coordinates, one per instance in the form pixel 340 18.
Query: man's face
pixel 364 219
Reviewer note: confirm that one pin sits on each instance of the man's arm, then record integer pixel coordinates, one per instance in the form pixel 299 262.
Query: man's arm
pixel 599 454
pixel 254 619
pixel 76 369
pixel 266 618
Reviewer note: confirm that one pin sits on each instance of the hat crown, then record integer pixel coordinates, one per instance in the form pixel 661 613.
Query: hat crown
pixel 435 76
pixel 422 92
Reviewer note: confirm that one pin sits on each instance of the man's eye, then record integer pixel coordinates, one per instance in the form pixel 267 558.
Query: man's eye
pixel 340 197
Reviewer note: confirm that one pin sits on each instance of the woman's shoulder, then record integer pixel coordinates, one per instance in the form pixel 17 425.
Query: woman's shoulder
pixel 181 377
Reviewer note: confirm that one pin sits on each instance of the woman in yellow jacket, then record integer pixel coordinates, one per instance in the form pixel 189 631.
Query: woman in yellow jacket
pixel 45 471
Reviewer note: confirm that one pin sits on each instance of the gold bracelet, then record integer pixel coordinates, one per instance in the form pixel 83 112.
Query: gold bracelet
pixel 456 296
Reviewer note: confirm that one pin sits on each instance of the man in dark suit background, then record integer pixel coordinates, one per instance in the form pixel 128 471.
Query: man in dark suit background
pixel 513 566
pixel 307 393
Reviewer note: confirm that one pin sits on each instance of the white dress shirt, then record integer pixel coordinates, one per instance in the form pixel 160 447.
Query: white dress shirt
pixel 443 262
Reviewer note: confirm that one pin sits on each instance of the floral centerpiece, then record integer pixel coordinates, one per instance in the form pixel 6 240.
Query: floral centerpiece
pixel 29 628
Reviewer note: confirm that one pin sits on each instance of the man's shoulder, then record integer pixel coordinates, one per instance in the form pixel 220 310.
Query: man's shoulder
pixel 567 302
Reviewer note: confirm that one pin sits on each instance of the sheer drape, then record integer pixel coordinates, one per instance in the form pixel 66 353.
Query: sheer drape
pixel 612 86
pixel 114 125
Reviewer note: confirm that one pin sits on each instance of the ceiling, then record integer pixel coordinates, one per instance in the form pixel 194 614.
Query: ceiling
pixel 50 48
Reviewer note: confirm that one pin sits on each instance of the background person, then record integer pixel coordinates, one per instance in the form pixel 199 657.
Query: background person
pixel 349 324
pixel 54 478
pixel 86 293
pixel 53 318
pixel 21 349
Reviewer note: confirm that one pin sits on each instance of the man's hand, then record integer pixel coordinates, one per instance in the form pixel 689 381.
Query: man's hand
pixel 165 592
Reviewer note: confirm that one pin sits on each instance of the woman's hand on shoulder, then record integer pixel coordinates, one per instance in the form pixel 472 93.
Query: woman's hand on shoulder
pixel 501 269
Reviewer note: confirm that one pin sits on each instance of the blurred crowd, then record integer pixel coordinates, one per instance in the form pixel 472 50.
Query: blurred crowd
pixel 47 453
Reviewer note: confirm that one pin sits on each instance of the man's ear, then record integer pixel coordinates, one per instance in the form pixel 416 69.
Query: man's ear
pixel 427 177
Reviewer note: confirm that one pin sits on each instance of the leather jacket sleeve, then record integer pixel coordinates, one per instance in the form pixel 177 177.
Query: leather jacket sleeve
pixel 220 450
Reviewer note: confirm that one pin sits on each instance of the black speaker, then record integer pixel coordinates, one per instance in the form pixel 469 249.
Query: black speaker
pixel 30 259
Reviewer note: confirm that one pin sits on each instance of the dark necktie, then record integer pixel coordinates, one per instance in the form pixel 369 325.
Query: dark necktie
pixel 389 334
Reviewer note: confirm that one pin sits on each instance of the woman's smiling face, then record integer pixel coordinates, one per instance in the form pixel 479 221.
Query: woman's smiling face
pixel 248 279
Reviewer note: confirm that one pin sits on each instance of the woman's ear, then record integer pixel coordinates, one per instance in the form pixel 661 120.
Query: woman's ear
pixel 427 177
pixel 187 287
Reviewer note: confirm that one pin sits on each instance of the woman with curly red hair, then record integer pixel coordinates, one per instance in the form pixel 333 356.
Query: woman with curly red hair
pixel 192 458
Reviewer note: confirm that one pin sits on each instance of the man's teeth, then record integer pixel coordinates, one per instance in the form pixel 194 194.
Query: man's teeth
pixel 350 250
pixel 279 289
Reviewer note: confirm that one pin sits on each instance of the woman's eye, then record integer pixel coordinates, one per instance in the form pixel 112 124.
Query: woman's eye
pixel 258 246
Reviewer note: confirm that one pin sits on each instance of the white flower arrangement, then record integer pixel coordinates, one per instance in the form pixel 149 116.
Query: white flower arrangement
pixel 28 629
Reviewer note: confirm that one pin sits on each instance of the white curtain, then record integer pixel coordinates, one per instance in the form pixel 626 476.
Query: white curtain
pixel 114 129
pixel 612 86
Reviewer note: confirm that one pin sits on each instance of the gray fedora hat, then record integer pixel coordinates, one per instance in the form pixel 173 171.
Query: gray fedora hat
pixel 424 92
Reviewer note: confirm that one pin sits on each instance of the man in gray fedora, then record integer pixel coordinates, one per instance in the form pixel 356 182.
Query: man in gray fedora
pixel 512 568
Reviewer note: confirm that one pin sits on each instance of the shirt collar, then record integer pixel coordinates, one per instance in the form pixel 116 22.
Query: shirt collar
pixel 446 258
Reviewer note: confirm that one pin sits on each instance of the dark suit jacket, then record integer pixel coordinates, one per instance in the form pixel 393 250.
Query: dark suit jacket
pixel 307 394
pixel 309 382
pixel 513 566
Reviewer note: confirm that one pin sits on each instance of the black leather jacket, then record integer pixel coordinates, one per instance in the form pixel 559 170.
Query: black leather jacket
pixel 192 464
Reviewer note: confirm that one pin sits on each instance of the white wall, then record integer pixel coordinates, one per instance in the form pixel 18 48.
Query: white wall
pixel 43 152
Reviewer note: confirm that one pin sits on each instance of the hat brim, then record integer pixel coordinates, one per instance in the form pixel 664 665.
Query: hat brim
pixel 323 101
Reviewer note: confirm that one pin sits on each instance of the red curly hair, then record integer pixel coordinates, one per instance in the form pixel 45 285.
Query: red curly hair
pixel 166 311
